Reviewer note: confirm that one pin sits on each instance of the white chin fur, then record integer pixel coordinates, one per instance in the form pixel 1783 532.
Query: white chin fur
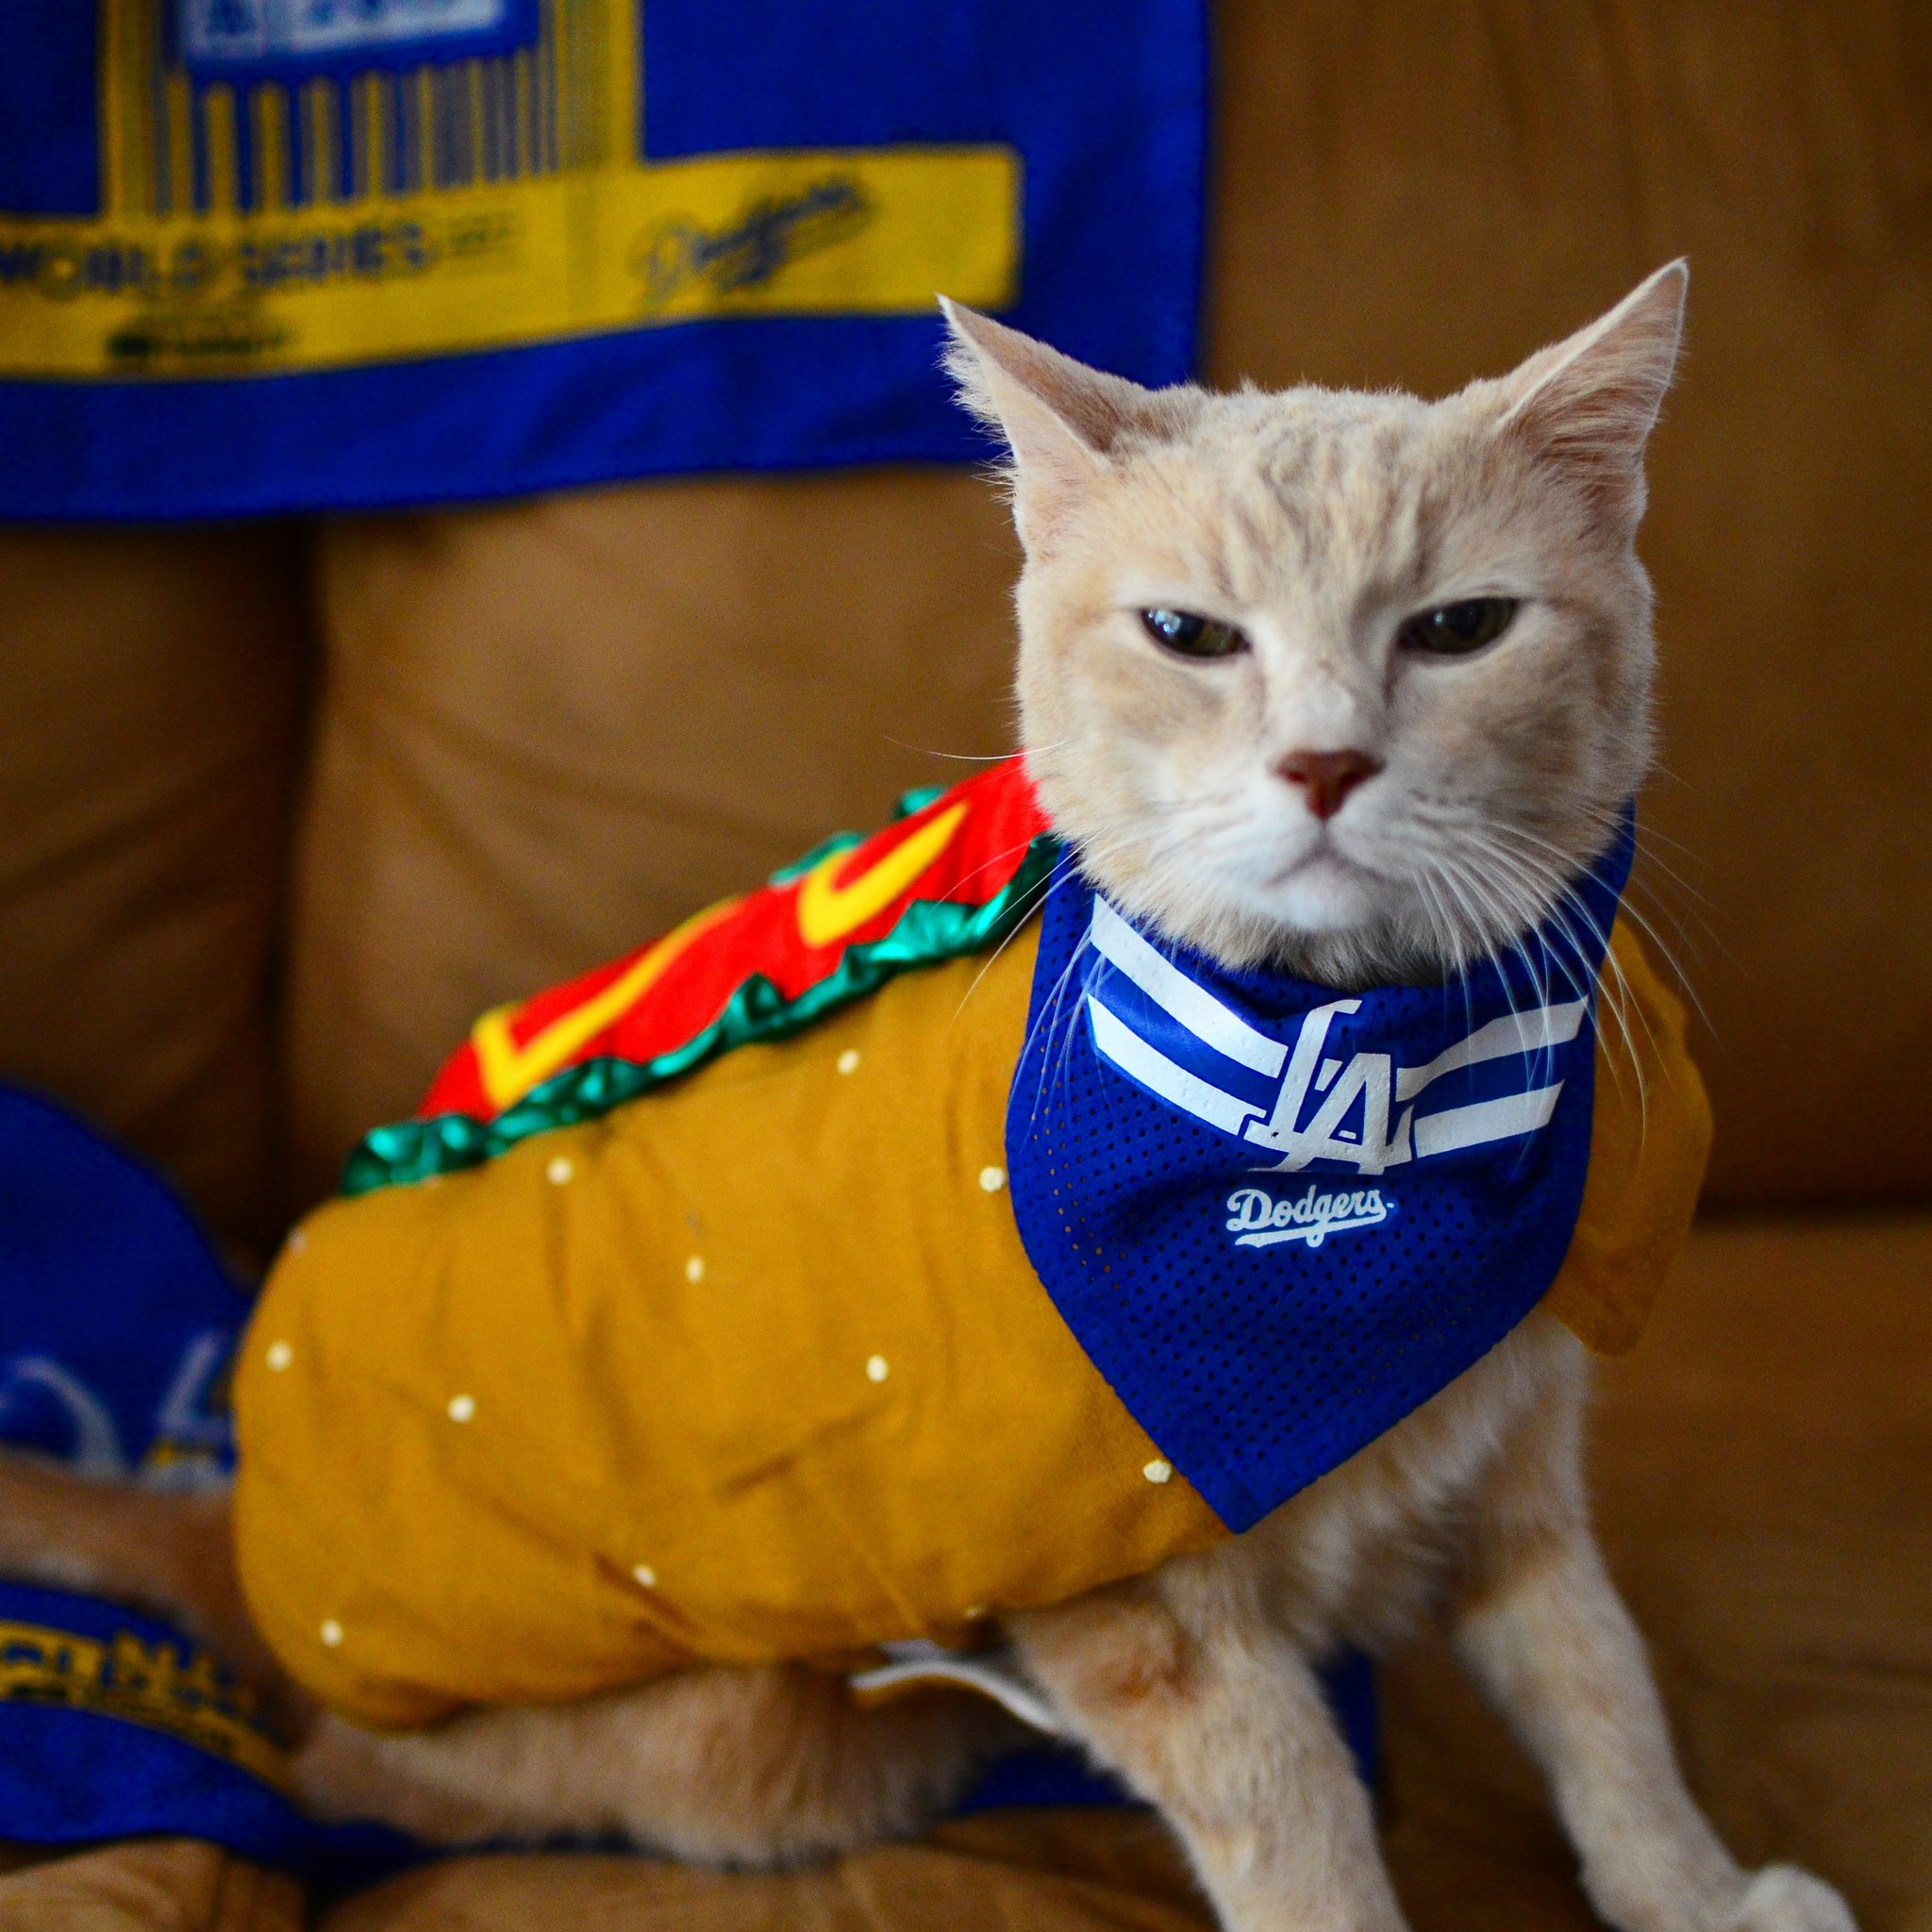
pixel 1325 894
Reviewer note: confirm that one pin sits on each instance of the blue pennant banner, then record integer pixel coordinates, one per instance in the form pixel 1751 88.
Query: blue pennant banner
pixel 118 1323
pixel 259 256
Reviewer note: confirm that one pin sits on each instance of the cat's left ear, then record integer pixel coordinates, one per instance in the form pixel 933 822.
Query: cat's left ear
pixel 1058 417
pixel 1587 403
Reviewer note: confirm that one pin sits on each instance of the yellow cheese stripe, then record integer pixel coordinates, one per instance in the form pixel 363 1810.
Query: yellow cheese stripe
pixel 827 910
pixel 510 1071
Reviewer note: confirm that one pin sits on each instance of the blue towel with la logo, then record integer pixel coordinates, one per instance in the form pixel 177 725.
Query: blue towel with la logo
pixel 1277 1218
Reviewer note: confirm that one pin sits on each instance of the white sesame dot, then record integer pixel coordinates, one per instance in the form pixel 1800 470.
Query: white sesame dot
pixel 278 1355
pixel 645 1575
pixel 297 1241
pixel 694 1268
pixel 993 1178
pixel 877 1369
pixel 559 1171
pixel 331 1632
pixel 461 1407
pixel 974 1612
pixel 848 1060
pixel 1157 1470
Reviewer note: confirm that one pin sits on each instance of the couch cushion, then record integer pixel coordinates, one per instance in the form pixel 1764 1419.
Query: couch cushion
pixel 150 1884
pixel 552 731
pixel 148 698
pixel 1043 1871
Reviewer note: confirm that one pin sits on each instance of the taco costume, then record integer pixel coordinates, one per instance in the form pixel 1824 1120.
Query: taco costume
pixel 913 1239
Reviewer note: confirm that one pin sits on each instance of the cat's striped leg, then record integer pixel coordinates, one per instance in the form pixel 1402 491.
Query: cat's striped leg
pixel 1543 1629
pixel 1181 1684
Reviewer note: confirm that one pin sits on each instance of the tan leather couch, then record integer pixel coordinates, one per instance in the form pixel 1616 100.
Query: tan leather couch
pixel 282 808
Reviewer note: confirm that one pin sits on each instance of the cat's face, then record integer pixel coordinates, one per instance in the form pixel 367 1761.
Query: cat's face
pixel 1350 681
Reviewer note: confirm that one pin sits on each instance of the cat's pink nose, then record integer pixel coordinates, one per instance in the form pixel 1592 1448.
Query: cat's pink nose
pixel 1326 777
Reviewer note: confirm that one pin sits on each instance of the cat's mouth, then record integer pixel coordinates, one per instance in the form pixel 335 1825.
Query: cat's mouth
pixel 1322 857
pixel 1323 888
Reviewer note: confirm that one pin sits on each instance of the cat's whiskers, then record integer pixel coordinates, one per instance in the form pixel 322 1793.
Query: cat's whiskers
pixel 964 758
pixel 1033 899
pixel 1610 982
pixel 1521 900
pixel 1454 946
pixel 1484 926
pixel 1052 1063
pixel 1569 901
pixel 1497 922
pixel 1061 1062
pixel 1540 898
pixel 1653 837
pixel 1701 910
pixel 1445 933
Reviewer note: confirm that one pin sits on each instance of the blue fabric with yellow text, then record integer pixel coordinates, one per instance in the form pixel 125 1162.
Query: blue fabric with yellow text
pixel 353 253
pixel 118 1322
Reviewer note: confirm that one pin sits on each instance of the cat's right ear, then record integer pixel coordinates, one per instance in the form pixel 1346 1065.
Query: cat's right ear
pixel 1057 416
pixel 1587 405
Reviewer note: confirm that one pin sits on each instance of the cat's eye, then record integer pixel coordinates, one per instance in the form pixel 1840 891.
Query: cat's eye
pixel 1457 629
pixel 1188 635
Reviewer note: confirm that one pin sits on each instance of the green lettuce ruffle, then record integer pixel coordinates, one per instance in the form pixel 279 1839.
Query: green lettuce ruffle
pixel 927 932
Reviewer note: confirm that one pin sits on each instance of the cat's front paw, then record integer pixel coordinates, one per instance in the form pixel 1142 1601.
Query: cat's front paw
pixel 1781 1898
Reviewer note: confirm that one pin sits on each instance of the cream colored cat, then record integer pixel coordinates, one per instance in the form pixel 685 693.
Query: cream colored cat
pixel 1350 683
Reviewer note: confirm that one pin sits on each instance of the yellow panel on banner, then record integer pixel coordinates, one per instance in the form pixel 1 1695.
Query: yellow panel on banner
pixel 480 203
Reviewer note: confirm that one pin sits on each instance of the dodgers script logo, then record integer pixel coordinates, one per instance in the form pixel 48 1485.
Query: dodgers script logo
pixel 1303 1104
pixel 1257 1220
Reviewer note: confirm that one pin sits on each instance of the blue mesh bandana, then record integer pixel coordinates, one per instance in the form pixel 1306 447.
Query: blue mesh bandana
pixel 1276 1219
